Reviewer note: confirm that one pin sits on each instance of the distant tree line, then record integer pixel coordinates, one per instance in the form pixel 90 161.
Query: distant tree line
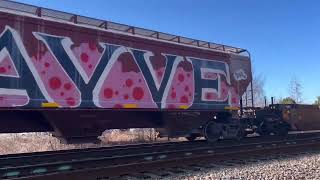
pixel 288 100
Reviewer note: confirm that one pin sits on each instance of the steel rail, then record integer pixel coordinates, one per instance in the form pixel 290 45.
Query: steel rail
pixel 35 157
pixel 62 167
pixel 49 156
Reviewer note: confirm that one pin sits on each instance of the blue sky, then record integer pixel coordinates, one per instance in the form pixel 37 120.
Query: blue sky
pixel 283 37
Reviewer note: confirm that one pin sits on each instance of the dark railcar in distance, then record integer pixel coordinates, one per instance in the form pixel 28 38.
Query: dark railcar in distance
pixel 301 116
pixel 79 76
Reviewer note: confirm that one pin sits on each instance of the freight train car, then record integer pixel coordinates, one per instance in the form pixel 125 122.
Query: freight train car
pixel 280 118
pixel 77 76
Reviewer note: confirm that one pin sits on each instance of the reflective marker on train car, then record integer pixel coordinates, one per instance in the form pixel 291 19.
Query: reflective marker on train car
pixel 183 107
pixel 50 105
pixel 231 108
pixel 130 106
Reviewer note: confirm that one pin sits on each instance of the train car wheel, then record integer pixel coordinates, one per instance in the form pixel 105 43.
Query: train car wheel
pixel 212 131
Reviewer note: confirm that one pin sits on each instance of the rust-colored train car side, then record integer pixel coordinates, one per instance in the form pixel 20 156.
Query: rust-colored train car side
pixel 79 76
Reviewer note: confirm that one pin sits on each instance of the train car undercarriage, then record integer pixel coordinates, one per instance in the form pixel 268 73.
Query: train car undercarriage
pixel 85 125
pixel 275 119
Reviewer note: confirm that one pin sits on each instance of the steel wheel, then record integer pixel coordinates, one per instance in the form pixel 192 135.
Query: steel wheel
pixel 212 131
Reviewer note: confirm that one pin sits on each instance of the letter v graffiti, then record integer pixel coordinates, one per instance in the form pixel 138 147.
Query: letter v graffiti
pixel 159 90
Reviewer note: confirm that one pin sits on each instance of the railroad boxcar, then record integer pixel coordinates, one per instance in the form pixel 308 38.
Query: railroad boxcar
pixel 78 76
pixel 301 116
pixel 281 118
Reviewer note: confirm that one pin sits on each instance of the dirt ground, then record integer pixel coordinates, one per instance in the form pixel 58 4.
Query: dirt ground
pixel 34 142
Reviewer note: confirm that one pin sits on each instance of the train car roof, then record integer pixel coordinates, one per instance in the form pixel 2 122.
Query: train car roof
pixel 63 17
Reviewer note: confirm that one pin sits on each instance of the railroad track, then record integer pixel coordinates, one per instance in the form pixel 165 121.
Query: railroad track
pixel 101 163
pixel 221 167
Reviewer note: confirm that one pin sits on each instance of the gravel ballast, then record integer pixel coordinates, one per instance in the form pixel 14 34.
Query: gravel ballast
pixel 306 166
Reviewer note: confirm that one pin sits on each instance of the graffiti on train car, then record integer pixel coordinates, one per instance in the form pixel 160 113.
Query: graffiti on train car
pixel 107 75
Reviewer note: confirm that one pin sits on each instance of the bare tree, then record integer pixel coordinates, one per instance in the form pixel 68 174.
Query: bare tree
pixel 317 101
pixel 258 89
pixel 295 90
